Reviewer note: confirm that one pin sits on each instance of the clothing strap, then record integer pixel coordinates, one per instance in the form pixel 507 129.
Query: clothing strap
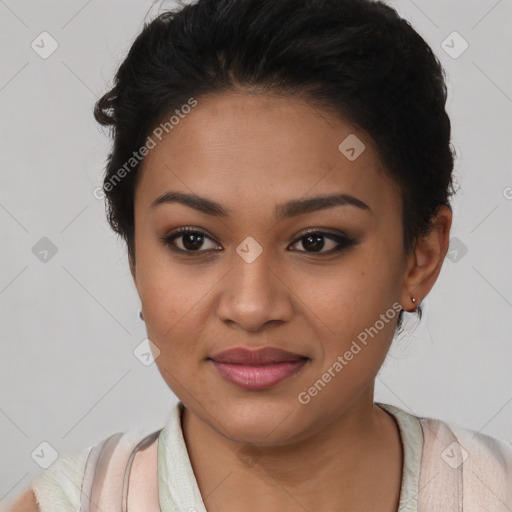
pixel 441 475
pixel 95 473
pixel 140 446
pixel 107 472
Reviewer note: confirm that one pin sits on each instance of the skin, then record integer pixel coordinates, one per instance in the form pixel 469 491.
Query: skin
pixel 234 149
pixel 264 450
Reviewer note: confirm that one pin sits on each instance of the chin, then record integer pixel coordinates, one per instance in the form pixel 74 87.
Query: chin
pixel 261 421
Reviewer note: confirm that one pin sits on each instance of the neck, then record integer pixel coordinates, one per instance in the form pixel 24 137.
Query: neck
pixel 359 450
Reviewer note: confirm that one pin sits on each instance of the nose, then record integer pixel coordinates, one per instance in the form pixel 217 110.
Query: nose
pixel 254 295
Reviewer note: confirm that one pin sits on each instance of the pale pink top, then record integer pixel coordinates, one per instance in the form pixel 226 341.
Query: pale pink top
pixel 446 468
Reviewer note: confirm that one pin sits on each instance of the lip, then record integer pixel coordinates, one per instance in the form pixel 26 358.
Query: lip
pixel 264 355
pixel 257 369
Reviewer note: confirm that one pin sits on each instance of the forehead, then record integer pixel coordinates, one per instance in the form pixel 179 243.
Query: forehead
pixel 236 148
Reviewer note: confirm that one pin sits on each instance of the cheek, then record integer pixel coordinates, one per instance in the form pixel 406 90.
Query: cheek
pixel 168 294
pixel 359 289
pixel 357 301
pixel 352 337
pixel 172 306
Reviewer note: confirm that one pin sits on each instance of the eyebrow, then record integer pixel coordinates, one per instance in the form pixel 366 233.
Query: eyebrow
pixel 285 210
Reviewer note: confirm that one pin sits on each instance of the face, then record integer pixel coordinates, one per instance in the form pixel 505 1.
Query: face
pixel 320 280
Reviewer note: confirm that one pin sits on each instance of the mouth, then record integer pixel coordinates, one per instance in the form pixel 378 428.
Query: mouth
pixel 257 369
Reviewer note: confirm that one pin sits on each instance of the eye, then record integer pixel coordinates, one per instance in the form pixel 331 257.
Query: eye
pixel 314 242
pixel 191 240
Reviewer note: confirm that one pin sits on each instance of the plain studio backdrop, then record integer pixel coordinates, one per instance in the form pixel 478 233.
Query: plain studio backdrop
pixel 70 329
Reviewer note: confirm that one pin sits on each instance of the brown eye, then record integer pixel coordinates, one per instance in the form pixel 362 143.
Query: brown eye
pixel 188 240
pixel 315 242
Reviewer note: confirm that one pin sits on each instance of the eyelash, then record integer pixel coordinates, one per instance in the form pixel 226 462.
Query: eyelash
pixel 344 242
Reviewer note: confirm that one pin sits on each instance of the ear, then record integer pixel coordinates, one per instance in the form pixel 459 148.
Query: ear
pixel 425 262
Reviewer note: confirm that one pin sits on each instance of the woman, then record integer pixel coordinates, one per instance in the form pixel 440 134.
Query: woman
pixel 274 177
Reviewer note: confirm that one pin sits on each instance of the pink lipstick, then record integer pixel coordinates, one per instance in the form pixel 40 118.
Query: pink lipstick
pixel 257 369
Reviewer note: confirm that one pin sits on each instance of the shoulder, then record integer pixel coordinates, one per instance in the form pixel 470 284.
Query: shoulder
pixel 24 503
pixel 59 487
pixel 455 468
pixel 467 445
pixel 56 488
pixel 480 466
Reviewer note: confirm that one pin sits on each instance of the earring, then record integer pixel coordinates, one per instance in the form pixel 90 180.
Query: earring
pixel 414 302
pixel 141 315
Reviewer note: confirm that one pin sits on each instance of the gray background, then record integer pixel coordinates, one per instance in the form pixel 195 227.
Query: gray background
pixel 69 325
